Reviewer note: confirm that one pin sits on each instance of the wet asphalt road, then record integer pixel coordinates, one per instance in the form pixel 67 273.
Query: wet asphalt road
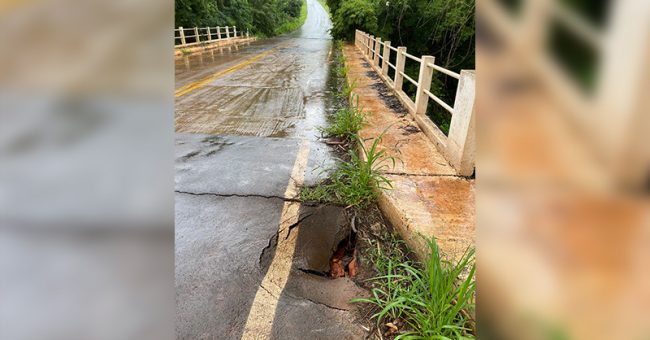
pixel 249 111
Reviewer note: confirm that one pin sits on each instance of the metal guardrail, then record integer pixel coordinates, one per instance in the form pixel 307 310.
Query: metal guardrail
pixel 458 146
pixel 201 35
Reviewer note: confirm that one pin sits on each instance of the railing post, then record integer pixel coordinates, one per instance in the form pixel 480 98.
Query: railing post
pixel 399 67
pixel 218 33
pixel 366 47
pixel 367 44
pixel 424 84
pixel 209 33
pixel 364 42
pixel 227 33
pixel 234 28
pixel 196 34
pixel 372 47
pixel 461 142
pixel 182 30
pixel 247 34
pixel 386 58
pixel 377 51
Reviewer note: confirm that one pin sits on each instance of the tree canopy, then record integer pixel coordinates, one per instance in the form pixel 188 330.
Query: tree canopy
pixel 258 16
pixel 444 29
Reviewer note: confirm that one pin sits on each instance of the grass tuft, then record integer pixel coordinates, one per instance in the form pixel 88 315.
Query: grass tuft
pixel 431 298
pixel 356 182
pixel 346 122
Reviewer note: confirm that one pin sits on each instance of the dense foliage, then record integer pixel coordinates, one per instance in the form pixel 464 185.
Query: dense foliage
pixel 262 17
pixel 442 28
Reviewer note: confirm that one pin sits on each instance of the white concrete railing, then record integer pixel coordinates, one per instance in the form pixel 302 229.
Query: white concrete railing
pixel 616 106
pixel 201 35
pixel 459 146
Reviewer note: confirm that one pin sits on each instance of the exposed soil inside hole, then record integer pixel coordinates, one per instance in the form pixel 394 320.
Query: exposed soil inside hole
pixel 343 261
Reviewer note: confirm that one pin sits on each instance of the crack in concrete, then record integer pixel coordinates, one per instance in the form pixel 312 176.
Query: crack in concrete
pixel 268 291
pixel 424 175
pixel 297 223
pixel 299 298
pixel 273 241
pixel 315 302
pixel 314 272
pixel 286 199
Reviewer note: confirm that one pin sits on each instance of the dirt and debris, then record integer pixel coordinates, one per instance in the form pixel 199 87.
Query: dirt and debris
pixel 344 261
pixel 389 98
pixel 409 129
pixel 372 75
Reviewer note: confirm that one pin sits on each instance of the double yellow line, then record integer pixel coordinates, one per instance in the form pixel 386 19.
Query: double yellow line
pixel 195 85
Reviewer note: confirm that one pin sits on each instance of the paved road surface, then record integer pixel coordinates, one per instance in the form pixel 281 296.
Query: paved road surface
pixel 246 123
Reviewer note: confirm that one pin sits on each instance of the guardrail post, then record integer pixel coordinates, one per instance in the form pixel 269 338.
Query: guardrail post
pixel 182 31
pixel 377 51
pixel 218 33
pixel 209 33
pixel 247 34
pixel 372 47
pixel 366 47
pixel 461 142
pixel 234 28
pixel 386 58
pixel 227 33
pixel 196 34
pixel 424 84
pixel 399 67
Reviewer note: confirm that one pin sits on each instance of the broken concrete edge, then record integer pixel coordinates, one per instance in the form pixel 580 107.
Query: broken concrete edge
pixel 178 50
pixel 416 241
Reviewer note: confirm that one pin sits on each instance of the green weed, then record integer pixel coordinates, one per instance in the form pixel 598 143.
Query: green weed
pixel 431 298
pixel 346 122
pixel 319 193
pixel 186 51
pixel 357 182
pixel 348 88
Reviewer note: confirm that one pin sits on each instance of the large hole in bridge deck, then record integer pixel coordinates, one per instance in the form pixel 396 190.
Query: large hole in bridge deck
pixel 326 244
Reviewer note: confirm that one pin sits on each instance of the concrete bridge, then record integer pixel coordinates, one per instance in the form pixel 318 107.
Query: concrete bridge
pixel 246 122
pixel 247 115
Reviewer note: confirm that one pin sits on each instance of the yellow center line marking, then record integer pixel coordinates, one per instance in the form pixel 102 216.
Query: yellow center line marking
pixel 195 85
pixel 260 318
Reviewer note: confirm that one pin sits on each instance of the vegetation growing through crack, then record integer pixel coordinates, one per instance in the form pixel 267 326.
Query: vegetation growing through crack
pixel 355 182
pixel 346 122
pixel 357 179
pixel 421 300
pixel 409 300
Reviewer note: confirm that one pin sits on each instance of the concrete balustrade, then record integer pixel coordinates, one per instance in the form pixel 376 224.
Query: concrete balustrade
pixel 197 38
pixel 459 146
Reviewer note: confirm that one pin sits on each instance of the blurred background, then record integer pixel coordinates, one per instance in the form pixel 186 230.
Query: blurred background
pixel 563 218
pixel 86 170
